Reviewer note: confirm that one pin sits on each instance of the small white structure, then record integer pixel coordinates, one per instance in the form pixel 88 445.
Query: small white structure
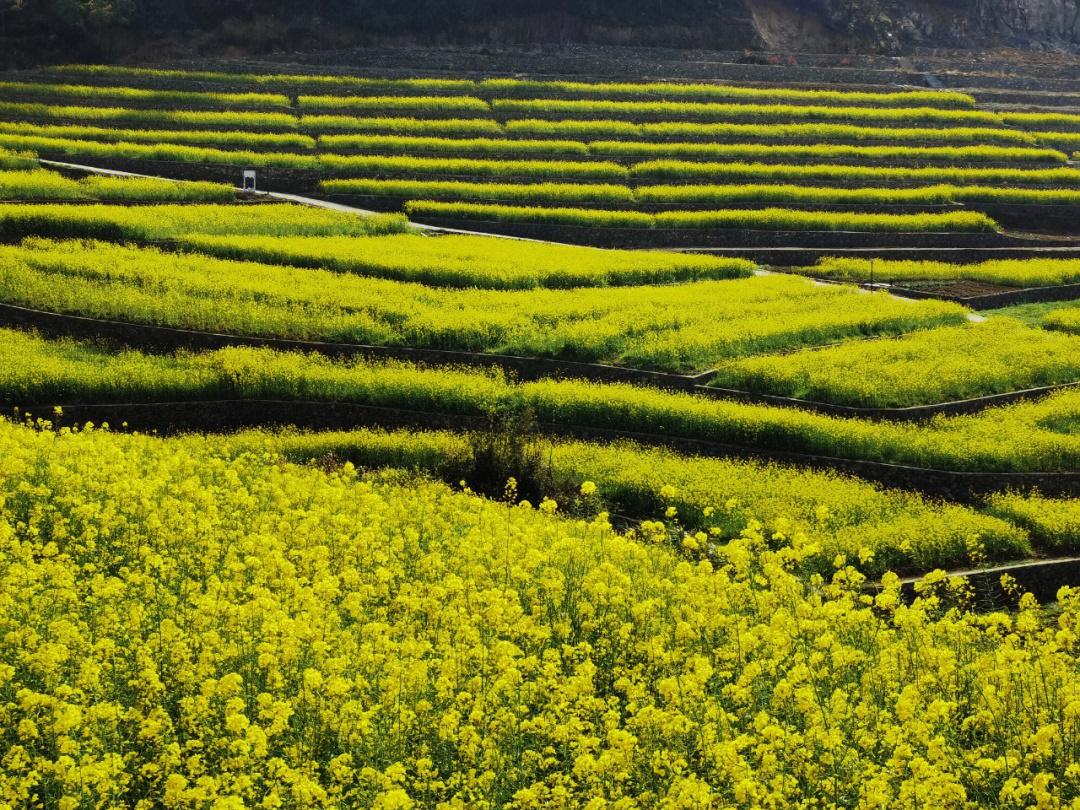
pixel 249 180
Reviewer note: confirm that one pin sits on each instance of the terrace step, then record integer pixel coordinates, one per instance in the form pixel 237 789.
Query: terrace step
pixel 222 415
pixel 786 256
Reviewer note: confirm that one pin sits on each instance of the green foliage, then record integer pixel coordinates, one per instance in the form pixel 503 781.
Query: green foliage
pixel 452 190
pixel 288 80
pixel 806 133
pixel 685 327
pixel 584 217
pixel 781 219
pixel 154 117
pixel 470 261
pixel 17 160
pixel 395 143
pixel 133 94
pixel 1066 319
pixel 766 152
pixel 921 368
pixel 814 133
pixel 1041 120
pixel 439 104
pixel 254 140
pixel 158 151
pixel 1058 140
pixel 940 194
pixel 517 87
pixel 573 129
pixel 1034 272
pixel 403 126
pixel 757 219
pixel 41 184
pixel 375 165
pixel 353 164
pixel 663 91
pixel 677 111
pixel 1037 436
pixel 688 170
pixel 171 221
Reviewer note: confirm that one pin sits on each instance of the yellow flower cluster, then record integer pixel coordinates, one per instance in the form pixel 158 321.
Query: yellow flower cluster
pixel 889 530
pixel 183 629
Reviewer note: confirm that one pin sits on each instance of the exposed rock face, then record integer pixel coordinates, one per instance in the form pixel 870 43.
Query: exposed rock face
pixel 892 26
pixel 1052 20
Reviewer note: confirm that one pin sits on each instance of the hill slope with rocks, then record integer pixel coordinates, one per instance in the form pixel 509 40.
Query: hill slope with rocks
pixel 148 30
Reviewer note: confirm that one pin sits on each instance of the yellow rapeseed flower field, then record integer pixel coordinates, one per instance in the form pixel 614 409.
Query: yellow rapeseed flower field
pixel 182 628
pixel 275 619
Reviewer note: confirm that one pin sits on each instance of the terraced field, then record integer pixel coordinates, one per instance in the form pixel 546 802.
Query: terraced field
pixel 677 159
pixel 533 442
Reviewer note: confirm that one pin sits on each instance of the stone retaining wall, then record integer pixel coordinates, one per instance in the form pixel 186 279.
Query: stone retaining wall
pixel 155 339
pixel 225 415
pixel 1028 295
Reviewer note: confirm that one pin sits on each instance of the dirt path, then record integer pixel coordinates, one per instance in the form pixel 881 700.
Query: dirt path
pixel 299 200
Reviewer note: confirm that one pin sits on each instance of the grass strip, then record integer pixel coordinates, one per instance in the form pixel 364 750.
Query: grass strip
pixel 429 104
pixel 402 126
pixel 163 98
pixel 451 190
pixel 357 164
pixel 810 133
pixel 739 112
pixel 690 170
pixel 154 222
pixel 748 151
pixel 664 91
pixel 376 165
pixel 1053 522
pixel 470 261
pixel 1065 319
pixel 395 143
pixel 152 117
pixel 1036 272
pixel 17 160
pixel 658 90
pixel 581 217
pixel 159 151
pixel 291 80
pixel 756 219
pixel 922 368
pixel 814 133
pixel 569 128
pixel 40 184
pixel 196 137
pixel 940 194
pixel 1042 120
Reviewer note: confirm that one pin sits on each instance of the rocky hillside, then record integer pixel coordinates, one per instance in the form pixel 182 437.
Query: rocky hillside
pixel 898 26
pixel 151 30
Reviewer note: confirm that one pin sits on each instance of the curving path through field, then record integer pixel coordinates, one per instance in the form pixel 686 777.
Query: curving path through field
pixel 299 200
